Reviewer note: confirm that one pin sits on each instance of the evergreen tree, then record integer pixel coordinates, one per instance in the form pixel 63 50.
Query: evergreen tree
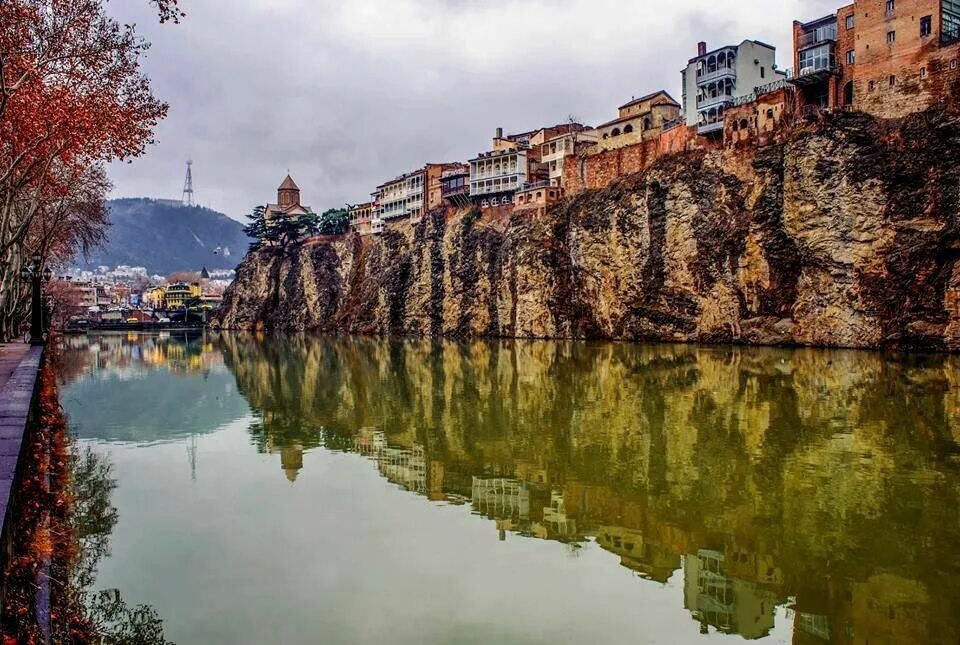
pixel 334 221
pixel 257 228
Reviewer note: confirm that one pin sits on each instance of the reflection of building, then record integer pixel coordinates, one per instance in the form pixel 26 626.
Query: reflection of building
pixel 501 498
pixel 405 467
pixel 291 460
pixel 728 604
pixel 649 559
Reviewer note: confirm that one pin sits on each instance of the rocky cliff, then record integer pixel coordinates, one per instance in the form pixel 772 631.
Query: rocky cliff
pixel 843 234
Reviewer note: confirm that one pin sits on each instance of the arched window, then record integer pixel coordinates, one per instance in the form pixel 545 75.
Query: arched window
pixel 616 132
pixel 711 64
pixel 736 126
pixel 744 124
pixel 770 113
pixel 628 129
pixel 606 136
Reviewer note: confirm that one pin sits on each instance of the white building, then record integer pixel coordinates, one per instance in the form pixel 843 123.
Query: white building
pixel 400 197
pixel 496 175
pixel 713 80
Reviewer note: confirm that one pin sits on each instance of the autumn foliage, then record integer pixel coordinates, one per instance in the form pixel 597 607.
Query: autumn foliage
pixel 72 98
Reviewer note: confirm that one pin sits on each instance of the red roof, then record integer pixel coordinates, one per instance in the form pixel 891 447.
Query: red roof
pixel 289 184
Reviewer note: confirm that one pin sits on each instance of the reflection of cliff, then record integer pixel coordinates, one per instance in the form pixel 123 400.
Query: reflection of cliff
pixel 765 476
pixel 112 377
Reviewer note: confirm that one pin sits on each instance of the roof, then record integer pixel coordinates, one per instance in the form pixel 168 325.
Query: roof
pixel 828 18
pixel 666 99
pixel 289 184
pixel 748 40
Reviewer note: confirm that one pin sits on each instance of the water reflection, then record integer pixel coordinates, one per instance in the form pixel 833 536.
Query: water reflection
pixel 826 482
pixel 147 388
pixel 820 487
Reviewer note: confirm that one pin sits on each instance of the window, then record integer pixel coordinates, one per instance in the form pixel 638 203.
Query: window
pixel 616 132
pixel 628 129
pixel 850 21
pixel 891 5
pixel 926 26
pixel 892 80
pixel 763 72
pixel 891 37
pixel 923 72
pixel 871 85
pixel 851 57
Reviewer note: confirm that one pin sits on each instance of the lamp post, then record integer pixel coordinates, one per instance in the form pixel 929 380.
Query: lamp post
pixel 35 276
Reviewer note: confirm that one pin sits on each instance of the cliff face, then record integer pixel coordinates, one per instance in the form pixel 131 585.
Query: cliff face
pixel 845 235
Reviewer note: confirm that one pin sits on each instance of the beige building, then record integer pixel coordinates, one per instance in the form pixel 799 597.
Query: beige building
pixel 641 119
pixel 555 150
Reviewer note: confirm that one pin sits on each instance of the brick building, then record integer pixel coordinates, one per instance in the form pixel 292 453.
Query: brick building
pixel 410 195
pixel 885 57
pixel 641 119
pixel 288 202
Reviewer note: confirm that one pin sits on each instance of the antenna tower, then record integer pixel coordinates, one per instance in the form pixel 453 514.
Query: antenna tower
pixel 188 187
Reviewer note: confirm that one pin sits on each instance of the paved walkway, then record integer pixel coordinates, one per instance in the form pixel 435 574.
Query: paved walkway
pixel 10 356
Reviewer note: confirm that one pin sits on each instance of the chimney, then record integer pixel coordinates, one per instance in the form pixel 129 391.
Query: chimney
pixel 701 48
pixel 499 133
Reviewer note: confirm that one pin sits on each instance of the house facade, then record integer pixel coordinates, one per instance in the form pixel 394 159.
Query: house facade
pixel 639 120
pixel 885 57
pixel 713 80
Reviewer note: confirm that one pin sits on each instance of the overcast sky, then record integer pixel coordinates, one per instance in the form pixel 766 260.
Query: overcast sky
pixel 346 94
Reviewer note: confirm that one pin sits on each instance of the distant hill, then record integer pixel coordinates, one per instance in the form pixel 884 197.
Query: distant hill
pixel 165 237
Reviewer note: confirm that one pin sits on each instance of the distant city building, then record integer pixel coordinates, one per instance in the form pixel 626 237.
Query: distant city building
pixel 713 80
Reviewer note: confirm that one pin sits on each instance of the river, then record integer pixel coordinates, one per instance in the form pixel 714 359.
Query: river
pixel 301 490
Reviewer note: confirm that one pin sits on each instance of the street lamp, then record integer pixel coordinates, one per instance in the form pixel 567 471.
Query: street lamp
pixel 35 275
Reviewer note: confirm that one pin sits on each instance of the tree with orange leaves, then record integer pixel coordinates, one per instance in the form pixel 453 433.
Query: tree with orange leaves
pixel 72 98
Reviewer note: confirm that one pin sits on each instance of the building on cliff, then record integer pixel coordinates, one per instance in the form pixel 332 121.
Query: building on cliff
pixel 639 120
pixel 888 58
pixel 713 80
pixel 288 202
pixel 555 150
pixel 361 217
pixel 410 195
pixel 455 185
pixel 514 162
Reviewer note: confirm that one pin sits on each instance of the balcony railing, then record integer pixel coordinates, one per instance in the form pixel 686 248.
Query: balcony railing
pixel 720 72
pixel 817 36
pixel 707 128
pixel 815 68
pixel 710 101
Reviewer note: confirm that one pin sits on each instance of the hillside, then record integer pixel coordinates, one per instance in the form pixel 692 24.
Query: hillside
pixel 166 238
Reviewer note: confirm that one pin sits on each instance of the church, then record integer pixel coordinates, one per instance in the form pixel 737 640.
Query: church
pixel 288 202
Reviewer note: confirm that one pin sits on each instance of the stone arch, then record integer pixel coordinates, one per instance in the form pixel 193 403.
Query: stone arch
pixel 628 129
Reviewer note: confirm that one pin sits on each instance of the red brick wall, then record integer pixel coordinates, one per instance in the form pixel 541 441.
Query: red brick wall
pixel 763 119
pixel 904 60
pixel 599 170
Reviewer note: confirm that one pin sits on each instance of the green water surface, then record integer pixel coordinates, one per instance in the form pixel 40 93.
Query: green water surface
pixel 317 490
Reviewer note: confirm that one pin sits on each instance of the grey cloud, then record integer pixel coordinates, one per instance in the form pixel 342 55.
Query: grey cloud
pixel 345 95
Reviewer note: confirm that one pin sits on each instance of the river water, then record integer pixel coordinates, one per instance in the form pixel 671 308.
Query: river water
pixel 304 490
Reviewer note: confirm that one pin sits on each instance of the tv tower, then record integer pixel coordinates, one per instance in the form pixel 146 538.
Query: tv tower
pixel 188 186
